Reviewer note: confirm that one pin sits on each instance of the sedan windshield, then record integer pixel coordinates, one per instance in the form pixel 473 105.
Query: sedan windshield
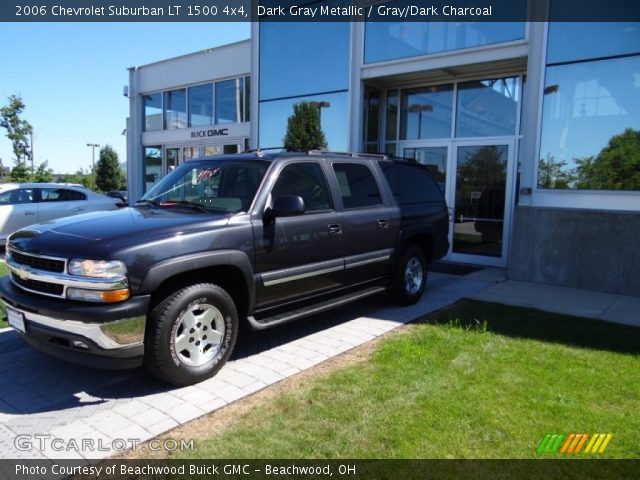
pixel 203 186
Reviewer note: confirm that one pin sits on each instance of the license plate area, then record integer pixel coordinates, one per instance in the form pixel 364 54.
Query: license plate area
pixel 15 319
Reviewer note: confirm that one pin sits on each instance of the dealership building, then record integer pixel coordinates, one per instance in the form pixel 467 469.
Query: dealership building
pixel 531 129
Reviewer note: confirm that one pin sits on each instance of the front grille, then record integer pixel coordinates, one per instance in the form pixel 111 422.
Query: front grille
pixel 37 286
pixel 38 262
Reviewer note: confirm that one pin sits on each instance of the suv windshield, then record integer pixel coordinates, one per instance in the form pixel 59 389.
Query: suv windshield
pixel 216 185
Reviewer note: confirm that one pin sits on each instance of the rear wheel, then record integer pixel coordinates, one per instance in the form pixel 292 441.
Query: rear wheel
pixel 409 278
pixel 191 334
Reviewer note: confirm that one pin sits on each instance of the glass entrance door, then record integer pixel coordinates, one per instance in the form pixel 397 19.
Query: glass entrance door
pixel 476 180
pixel 481 199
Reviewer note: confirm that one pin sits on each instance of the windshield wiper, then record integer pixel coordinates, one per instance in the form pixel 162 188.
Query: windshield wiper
pixel 183 203
pixel 151 203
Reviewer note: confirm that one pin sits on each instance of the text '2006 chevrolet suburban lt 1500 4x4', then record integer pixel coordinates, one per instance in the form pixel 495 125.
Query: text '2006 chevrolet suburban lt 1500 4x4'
pixel 259 238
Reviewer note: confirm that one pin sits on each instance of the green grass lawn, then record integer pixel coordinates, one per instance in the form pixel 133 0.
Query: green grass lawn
pixel 3 272
pixel 478 380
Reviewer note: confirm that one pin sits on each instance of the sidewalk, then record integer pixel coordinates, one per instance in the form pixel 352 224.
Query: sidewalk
pixel 569 301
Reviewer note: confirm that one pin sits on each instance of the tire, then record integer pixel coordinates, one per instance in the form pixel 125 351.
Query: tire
pixel 409 277
pixel 191 334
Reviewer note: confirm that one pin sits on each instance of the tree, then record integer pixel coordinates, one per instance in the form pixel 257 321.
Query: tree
pixel 108 173
pixel 20 173
pixel 18 130
pixel 304 131
pixel 551 173
pixel 616 167
pixel 43 173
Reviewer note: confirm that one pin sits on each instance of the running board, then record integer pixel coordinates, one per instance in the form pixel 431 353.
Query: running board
pixel 279 319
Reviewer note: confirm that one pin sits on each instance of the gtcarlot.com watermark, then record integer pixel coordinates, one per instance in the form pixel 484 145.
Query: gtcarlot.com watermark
pixel 47 442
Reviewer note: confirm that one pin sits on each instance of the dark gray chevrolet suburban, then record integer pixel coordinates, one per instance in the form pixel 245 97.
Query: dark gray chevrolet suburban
pixel 255 239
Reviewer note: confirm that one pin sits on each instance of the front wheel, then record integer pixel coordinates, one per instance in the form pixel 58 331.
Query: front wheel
pixel 191 334
pixel 409 277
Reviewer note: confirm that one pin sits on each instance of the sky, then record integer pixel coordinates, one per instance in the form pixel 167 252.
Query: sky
pixel 70 77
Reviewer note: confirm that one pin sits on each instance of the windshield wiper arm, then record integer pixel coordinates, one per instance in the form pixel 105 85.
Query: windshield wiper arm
pixel 152 203
pixel 183 203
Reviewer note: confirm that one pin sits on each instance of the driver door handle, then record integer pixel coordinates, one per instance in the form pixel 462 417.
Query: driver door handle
pixel 335 229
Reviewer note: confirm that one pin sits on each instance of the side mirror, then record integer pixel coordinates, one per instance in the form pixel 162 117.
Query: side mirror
pixel 286 206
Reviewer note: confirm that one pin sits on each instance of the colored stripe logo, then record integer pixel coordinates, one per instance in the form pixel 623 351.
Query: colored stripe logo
pixel 574 443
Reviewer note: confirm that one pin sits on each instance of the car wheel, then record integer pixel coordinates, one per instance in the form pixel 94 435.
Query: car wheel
pixel 191 334
pixel 409 278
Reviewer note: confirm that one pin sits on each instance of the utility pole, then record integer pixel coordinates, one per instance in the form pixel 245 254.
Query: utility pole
pixel 93 160
pixel 31 149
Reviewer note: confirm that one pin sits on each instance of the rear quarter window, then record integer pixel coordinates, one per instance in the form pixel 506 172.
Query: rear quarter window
pixel 410 184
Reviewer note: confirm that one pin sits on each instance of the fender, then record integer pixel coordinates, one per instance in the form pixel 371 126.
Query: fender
pixel 159 272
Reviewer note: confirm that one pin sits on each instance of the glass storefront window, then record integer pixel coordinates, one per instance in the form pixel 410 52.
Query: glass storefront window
pixel 247 99
pixel 591 126
pixel 570 41
pixel 426 113
pixel 232 101
pixel 274 115
pixel 303 58
pixel 201 105
pixel 152 104
pixel 487 108
pixel 392 40
pixel 175 109
pixel 152 166
pixel 212 150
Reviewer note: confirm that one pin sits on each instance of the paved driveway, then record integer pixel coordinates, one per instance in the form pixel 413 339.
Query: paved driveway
pixel 42 398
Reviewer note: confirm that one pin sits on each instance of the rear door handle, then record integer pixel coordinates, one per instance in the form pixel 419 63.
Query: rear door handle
pixel 29 213
pixel 335 229
pixel 383 223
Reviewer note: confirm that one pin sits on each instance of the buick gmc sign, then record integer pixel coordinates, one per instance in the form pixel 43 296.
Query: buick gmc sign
pixel 212 132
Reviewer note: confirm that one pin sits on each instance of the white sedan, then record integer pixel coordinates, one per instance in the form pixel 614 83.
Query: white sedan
pixel 23 204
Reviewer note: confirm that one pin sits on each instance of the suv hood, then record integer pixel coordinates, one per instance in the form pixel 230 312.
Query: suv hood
pixel 101 232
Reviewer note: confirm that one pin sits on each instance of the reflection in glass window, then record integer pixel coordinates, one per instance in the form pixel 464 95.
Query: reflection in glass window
pixel 371 120
pixel 591 125
pixel 227 101
pixel 487 108
pixel 201 105
pixel 172 155
pixel 303 58
pixel 307 181
pixel 175 109
pixel 232 101
pixel 152 166
pixel 480 196
pixel 152 111
pixel 391 40
pixel 189 153
pixel 569 41
pixel 426 113
pixel 247 99
pixel 212 150
pixel 358 188
pixel 274 115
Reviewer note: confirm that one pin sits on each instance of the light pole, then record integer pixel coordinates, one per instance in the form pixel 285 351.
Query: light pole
pixel 93 160
pixel 419 108
pixel 320 105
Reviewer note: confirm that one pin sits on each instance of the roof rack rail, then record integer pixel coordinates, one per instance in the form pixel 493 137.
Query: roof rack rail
pixel 381 156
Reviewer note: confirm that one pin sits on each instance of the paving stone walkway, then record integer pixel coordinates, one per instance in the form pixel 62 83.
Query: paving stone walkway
pixel 46 403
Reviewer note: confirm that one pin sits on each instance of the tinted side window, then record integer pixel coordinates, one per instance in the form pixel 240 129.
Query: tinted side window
pixel 61 195
pixel 306 180
pixel 357 185
pixel 411 185
pixel 16 197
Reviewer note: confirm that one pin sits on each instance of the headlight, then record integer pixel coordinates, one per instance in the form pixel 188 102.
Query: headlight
pixel 97 268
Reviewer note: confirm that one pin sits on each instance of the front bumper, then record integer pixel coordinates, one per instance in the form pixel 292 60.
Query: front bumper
pixel 104 336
